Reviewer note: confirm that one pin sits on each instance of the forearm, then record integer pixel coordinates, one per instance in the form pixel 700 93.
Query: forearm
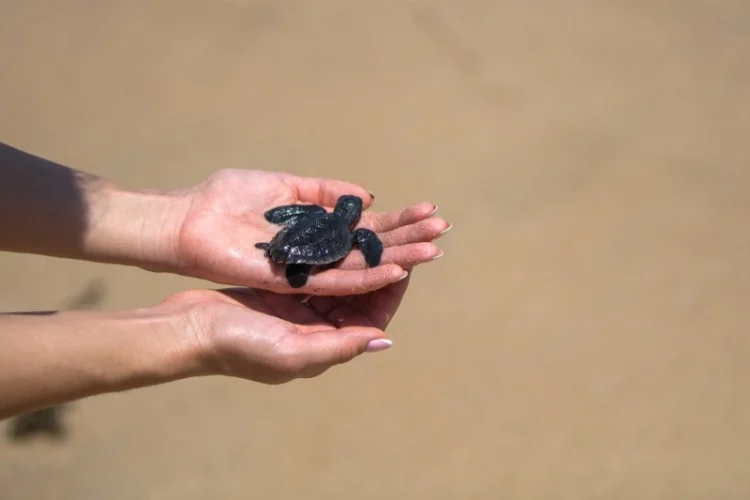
pixel 48 359
pixel 51 209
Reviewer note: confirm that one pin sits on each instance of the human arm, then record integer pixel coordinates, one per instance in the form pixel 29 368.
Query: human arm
pixel 50 209
pixel 50 359
pixel 207 231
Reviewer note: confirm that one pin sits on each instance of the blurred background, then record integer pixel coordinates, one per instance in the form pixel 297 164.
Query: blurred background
pixel 587 334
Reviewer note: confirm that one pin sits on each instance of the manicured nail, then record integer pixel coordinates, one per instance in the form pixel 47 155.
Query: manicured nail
pixel 376 345
pixel 446 229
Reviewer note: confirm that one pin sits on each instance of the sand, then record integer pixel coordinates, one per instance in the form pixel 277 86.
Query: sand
pixel 587 334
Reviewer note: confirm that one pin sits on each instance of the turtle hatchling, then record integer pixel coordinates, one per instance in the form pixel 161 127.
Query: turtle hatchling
pixel 311 236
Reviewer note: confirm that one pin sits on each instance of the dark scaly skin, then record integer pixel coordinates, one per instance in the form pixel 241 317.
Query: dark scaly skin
pixel 317 239
pixel 312 236
pixel 297 274
pixel 289 214
pixel 370 244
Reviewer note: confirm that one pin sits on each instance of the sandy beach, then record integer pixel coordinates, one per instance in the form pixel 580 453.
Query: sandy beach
pixel 587 333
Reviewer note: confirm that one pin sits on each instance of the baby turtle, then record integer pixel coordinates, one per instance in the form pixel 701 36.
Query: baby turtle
pixel 311 236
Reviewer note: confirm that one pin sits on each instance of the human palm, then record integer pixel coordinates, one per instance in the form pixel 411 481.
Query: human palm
pixel 225 220
pixel 274 338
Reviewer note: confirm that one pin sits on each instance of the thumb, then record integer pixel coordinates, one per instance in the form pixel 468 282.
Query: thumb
pixel 319 351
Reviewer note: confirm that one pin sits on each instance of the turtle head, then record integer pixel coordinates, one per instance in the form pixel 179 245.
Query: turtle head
pixel 350 207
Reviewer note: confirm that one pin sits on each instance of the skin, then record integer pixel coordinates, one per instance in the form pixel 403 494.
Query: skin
pixel 207 231
pixel 260 329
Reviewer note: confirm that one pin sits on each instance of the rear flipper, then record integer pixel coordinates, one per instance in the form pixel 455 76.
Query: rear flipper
pixel 297 274
pixel 370 245
pixel 265 247
pixel 289 214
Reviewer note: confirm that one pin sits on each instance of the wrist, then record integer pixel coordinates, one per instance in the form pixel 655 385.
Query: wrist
pixel 52 359
pixel 154 347
pixel 134 227
pixel 138 348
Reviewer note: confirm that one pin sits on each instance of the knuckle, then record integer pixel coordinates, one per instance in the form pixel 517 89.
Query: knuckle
pixel 287 359
pixel 412 255
pixel 221 175
pixel 289 365
pixel 362 282
pixel 343 354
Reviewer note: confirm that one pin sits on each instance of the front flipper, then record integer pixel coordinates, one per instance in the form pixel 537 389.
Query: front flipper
pixel 297 274
pixel 289 214
pixel 370 246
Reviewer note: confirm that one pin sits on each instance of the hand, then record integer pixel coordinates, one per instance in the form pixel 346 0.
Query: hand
pixel 274 338
pixel 252 334
pixel 207 232
pixel 224 220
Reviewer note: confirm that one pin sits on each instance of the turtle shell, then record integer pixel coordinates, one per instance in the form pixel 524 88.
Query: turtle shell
pixel 318 239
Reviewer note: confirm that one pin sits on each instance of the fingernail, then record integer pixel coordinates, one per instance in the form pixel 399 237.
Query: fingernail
pixel 403 277
pixel 438 255
pixel 372 195
pixel 434 210
pixel 376 345
pixel 446 229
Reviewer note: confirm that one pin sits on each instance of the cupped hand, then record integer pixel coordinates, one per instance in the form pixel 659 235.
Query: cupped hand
pixel 224 219
pixel 275 338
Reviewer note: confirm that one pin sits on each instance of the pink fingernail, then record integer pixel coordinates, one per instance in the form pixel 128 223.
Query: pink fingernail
pixel 446 229
pixel 405 275
pixel 434 210
pixel 438 255
pixel 376 345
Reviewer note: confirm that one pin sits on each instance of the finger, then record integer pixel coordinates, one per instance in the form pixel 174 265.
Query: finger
pixel 338 282
pixel 371 309
pixel 423 231
pixel 405 256
pixel 381 306
pixel 326 192
pixel 288 307
pixel 319 351
pixel 246 297
pixel 339 312
pixel 382 222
